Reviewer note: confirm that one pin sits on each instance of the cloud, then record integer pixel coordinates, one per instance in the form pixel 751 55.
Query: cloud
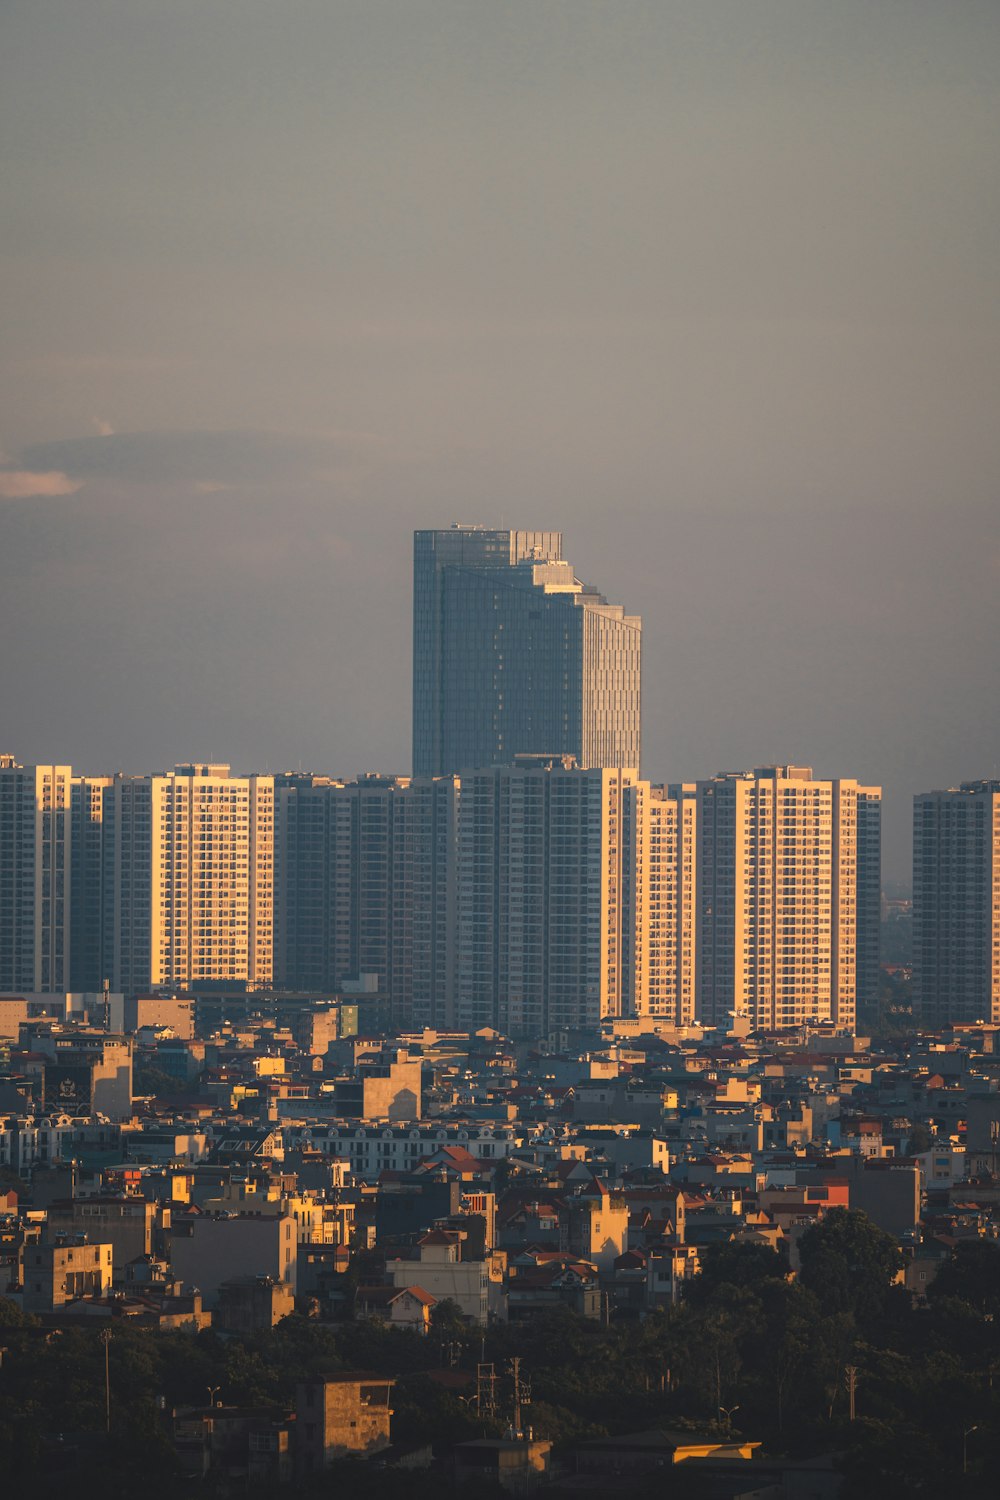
pixel 21 484
pixel 199 457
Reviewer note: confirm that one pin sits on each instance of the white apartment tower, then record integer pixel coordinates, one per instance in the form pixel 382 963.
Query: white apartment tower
pixel 956 904
pixel 35 856
pixel 190 877
pixel 666 877
pixel 785 884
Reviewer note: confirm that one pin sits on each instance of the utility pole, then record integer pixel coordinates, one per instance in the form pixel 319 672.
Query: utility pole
pixel 522 1395
pixel 105 1338
pixel 486 1389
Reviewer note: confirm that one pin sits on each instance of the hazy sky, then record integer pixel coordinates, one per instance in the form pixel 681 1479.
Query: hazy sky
pixel 712 286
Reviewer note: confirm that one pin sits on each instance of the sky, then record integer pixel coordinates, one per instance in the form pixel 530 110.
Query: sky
pixel 710 286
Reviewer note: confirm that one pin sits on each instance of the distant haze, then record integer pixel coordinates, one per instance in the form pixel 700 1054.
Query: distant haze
pixel 712 287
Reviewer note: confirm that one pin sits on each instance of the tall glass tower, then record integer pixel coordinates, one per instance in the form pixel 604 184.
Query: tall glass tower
pixel 513 655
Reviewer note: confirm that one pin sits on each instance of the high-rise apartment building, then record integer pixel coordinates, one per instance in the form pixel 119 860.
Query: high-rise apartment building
pixel 863 804
pixel 544 904
pixel 517 897
pixel 365 879
pixel 956 904
pixel 314 841
pixel 513 655
pixel 425 899
pixel 666 879
pixel 189 878
pixel 90 937
pixel 788 875
pixel 35 856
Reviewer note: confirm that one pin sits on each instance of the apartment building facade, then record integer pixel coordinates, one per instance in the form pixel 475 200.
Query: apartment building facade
pixel 956 904
pixel 35 857
pixel 91 934
pixel 189 878
pixel 666 882
pixel 784 883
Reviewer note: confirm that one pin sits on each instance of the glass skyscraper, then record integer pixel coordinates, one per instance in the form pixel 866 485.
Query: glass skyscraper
pixel 513 655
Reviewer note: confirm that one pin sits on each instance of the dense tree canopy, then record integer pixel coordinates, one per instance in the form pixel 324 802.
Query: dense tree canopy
pixel 776 1349
pixel 971 1275
pixel 849 1263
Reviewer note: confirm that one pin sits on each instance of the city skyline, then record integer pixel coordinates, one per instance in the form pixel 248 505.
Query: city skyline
pixel 894 880
pixel 530 897
pixel 499 747
pixel 711 290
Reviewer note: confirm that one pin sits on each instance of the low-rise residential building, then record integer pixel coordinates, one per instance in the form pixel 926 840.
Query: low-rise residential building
pixel 57 1274
pixel 338 1415
pixel 210 1249
pixel 401 1307
pixel 476 1286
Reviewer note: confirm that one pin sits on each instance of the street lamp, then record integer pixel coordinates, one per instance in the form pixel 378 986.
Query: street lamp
pixel 965 1447
pixel 727 1412
pixel 213 1391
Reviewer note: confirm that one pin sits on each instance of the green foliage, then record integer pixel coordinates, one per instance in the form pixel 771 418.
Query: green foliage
pixel 154 1081
pixel 11 1315
pixel 739 1263
pixel 448 1314
pixel 920 1140
pixel 850 1264
pixel 777 1350
pixel 972 1275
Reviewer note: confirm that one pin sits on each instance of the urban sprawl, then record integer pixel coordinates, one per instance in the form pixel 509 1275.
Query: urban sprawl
pixel 519 1122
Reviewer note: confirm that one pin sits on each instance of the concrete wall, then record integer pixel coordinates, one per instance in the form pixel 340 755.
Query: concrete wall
pixel 205 1252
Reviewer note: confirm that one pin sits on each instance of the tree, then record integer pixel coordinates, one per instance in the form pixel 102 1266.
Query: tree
pixel 742 1263
pixel 849 1263
pixel 150 1080
pixel 790 1313
pixel 11 1315
pixel 920 1140
pixel 972 1275
pixel 447 1315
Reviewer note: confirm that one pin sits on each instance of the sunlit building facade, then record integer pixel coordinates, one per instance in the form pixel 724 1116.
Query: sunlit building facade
pixel 666 883
pixel 189 872
pixel 788 874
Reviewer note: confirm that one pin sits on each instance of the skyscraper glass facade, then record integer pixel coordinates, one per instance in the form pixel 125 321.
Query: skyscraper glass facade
pixel 513 655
